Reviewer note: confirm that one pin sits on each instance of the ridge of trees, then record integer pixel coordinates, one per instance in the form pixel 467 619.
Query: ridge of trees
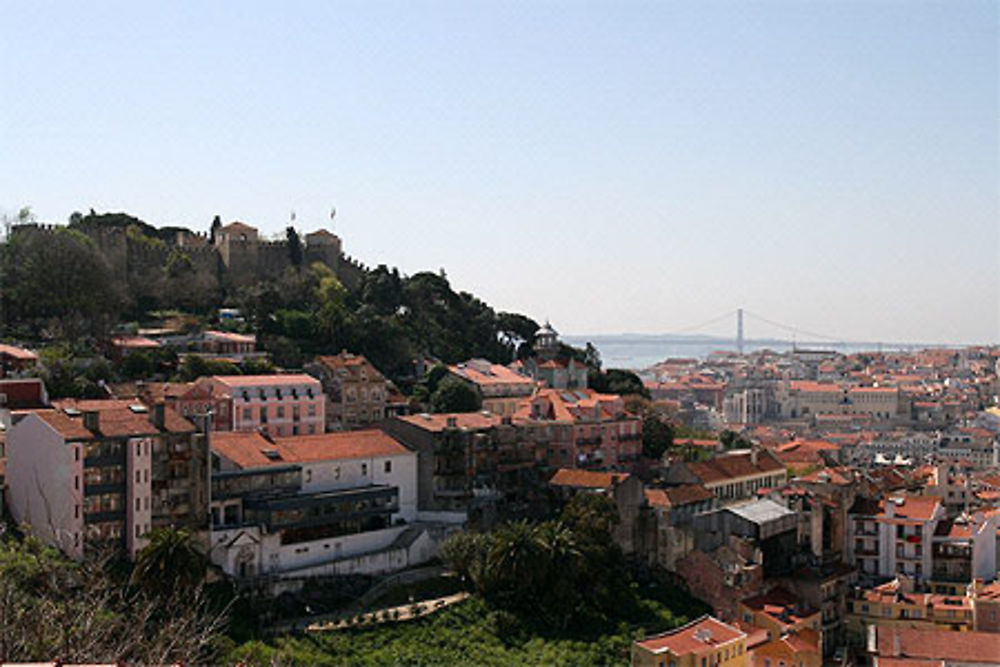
pixel 60 287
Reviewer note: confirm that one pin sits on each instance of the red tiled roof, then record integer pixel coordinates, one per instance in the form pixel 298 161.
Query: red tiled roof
pixel 586 479
pixel 468 420
pixel 705 634
pixel 678 495
pixel 237 226
pixel 974 647
pixel 115 419
pixel 341 445
pixel 254 450
pixel 735 465
pixel 918 508
pixel 485 373
pixel 66 426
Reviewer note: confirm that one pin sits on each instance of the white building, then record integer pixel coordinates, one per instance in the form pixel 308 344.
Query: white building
pixel 300 506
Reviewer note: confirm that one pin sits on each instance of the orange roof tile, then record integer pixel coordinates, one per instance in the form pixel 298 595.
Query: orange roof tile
pixel 705 634
pixel 899 642
pixel 253 450
pixel 474 421
pixel 586 479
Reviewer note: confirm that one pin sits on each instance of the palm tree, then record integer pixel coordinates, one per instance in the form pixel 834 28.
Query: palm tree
pixel 171 561
pixel 514 562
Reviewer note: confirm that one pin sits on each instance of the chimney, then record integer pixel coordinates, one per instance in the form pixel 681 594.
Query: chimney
pixel 91 421
pixel 159 416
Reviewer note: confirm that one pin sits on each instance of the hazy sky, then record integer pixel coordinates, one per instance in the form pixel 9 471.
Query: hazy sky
pixel 614 166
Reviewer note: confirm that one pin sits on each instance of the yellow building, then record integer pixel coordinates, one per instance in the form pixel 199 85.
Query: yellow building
pixel 890 605
pixel 796 649
pixel 705 642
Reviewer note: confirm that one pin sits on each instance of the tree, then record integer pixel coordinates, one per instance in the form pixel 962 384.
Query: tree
pixel 61 283
pixel 657 437
pixel 80 612
pixel 732 440
pixel 172 560
pixel 214 231
pixel 453 395
pixel 294 247
pixel 616 381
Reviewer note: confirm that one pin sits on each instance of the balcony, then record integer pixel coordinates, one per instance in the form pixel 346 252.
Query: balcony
pixel 102 517
pixel 103 488
pixel 589 441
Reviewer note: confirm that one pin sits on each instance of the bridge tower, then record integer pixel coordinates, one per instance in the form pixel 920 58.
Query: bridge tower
pixel 739 330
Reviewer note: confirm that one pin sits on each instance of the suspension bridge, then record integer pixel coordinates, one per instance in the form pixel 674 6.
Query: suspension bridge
pixel 766 329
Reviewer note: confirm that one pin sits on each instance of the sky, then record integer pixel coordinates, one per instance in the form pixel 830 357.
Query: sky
pixel 611 166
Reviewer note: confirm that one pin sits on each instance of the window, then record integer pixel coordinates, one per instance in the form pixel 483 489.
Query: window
pixel 263 415
pixel 281 412
pixel 76 453
pixel 247 414
pixel 388 467
pixel 364 469
pixel 311 410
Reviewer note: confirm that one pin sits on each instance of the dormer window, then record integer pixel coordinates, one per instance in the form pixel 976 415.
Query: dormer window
pixel 246 396
pixel 263 395
pixel 277 393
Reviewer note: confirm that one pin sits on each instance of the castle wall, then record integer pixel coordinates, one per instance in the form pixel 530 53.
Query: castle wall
pixel 230 263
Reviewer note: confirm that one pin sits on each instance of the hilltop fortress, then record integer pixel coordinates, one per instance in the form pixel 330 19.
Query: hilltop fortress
pixel 236 256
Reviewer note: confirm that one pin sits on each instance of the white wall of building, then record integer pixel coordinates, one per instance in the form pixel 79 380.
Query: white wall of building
pixel 364 553
pixel 45 483
pixel 344 474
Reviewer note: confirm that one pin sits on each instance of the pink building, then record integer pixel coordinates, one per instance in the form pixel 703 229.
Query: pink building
pixel 582 428
pixel 292 404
